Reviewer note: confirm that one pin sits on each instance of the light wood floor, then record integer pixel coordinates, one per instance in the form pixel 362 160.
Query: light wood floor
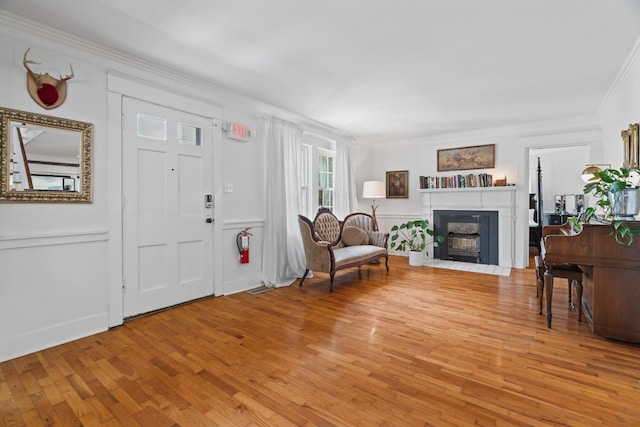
pixel 415 346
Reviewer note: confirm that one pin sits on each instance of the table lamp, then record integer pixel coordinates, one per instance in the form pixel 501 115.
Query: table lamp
pixel 588 174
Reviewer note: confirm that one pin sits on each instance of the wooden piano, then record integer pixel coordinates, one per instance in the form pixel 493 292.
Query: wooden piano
pixel 611 278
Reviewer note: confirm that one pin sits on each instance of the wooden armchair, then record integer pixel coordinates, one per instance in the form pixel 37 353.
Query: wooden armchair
pixel 545 272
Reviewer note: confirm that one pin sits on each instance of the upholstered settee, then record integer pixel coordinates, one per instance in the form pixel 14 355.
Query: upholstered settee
pixel 331 245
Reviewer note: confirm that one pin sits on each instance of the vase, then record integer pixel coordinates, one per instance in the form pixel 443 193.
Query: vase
pixel 625 203
pixel 416 258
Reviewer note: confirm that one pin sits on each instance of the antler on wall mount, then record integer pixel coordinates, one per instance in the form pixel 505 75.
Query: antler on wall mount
pixel 47 91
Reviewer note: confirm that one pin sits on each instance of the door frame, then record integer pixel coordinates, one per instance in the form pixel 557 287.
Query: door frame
pixel 119 86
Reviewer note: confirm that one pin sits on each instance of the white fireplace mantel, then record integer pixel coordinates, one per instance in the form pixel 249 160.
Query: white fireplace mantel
pixel 500 199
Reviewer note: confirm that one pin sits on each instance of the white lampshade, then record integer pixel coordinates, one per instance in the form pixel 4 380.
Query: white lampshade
pixel 373 190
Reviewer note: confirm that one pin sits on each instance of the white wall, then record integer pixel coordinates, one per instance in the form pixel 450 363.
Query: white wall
pixel 512 160
pixel 243 170
pixel 54 283
pixel 62 263
pixel 589 140
pixel 620 107
pixel 60 277
pixel 565 146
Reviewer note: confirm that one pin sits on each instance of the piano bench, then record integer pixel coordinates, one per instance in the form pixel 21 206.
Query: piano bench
pixel 571 272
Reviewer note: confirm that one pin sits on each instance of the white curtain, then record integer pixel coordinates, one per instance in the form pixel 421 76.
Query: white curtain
pixel 345 181
pixel 283 255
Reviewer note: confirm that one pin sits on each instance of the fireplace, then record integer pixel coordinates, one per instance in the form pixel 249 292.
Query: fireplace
pixel 470 236
pixel 499 199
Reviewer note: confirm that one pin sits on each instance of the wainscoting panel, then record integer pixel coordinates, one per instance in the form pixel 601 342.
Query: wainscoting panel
pixel 54 290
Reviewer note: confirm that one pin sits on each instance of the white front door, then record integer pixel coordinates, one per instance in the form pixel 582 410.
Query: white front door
pixel 167 233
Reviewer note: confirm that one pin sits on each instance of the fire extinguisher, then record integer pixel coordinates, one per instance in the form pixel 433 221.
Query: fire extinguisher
pixel 242 240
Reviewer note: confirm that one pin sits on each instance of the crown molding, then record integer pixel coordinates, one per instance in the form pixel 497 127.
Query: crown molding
pixel 309 125
pixel 614 90
pixel 489 135
pixel 561 125
pixel 23 30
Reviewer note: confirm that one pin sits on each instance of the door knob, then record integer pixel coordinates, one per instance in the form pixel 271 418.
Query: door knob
pixel 209 220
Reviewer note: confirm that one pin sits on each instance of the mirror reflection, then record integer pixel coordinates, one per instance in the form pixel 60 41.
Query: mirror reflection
pixel 44 158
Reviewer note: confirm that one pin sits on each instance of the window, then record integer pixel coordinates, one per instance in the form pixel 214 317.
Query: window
pixel 305 181
pixel 326 168
pixel 189 135
pixel 152 127
pixel 317 174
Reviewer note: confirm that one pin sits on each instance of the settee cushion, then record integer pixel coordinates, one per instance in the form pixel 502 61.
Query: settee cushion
pixel 357 254
pixel 353 236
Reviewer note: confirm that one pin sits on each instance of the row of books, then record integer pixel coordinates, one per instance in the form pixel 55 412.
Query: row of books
pixel 457 181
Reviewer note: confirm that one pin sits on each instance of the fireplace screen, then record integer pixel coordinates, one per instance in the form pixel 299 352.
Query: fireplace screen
pixel 471 236
pixel 464 240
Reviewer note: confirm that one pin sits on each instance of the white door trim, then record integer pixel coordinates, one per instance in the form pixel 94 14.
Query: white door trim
pixel 119 86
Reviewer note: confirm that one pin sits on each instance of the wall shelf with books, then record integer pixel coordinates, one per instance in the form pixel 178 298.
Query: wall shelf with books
pixel 480 180
pixel 510 187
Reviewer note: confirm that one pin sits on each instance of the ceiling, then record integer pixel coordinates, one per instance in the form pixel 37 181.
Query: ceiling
pixel 380 70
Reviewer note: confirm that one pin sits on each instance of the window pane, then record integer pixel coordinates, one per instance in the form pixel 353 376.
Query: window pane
pixel 328 198
pixel 325 199
pixel 305 181
pixel 325 181
pixel 304 191
pixel 189 135
pixel 152 127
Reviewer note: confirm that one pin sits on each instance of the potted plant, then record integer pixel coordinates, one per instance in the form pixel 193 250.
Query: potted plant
pixel 618 197
pixel 414 235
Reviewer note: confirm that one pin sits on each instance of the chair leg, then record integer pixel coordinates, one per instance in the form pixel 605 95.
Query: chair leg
pixel 332 274
pixel 579 297
pixel 304 276
pixel 540 292
pixel 539 281
pixel 548 284
pixel 386 262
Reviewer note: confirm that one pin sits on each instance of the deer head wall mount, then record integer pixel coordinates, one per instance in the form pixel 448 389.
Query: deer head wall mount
pixel 47 91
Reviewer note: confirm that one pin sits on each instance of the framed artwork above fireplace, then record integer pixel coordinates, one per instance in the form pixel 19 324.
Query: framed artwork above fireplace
pixel 465 158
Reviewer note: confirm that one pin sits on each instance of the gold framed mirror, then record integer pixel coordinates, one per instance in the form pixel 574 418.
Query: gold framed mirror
pixel 44 158
pixel 631 148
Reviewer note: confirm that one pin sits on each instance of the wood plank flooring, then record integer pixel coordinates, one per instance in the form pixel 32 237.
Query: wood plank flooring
pixel 415 346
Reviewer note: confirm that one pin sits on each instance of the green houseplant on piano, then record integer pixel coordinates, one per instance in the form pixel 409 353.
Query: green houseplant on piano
pixel 618 197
